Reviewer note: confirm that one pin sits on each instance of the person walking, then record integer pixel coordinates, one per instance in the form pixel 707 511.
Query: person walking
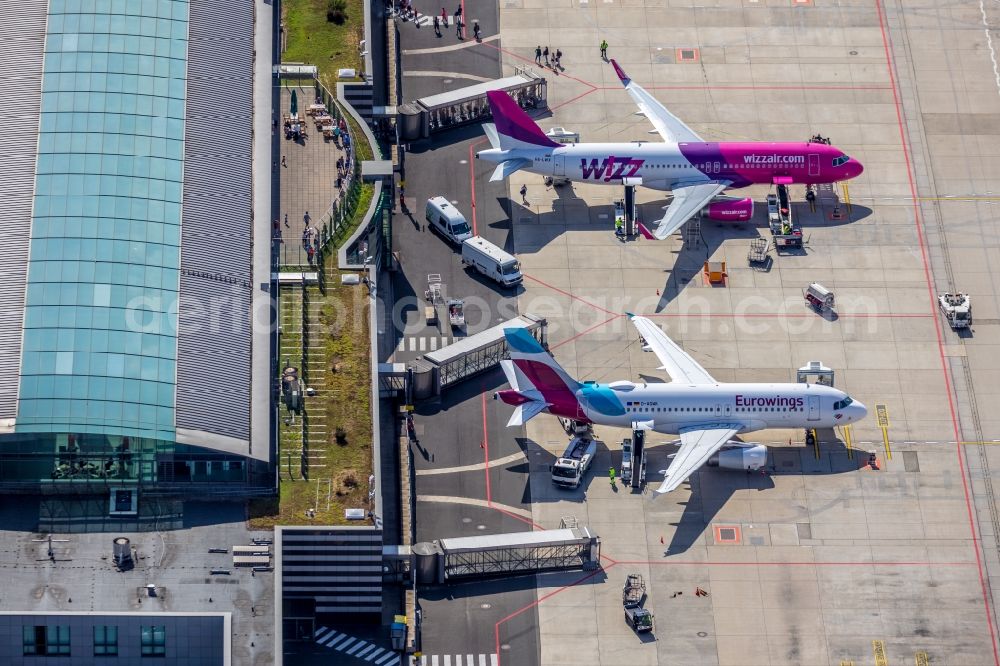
pixel 558 58
pixel 444 17
pixel 538 55
pixel 306 218
pixel 604 49
pixel 437 26
pixel 286 221
pixel 476 30
pixel 458 27
pixel 524 194
pixel 611 476
pixel 284 162
pixel 545 54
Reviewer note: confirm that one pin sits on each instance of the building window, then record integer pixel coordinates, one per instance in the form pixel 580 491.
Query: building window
pixel 43 640
pixel 154 641
pixel 106 640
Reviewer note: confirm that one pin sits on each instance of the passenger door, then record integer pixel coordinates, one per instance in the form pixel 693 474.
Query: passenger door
pixel 813 164
pixel 814 408
pixel 559 165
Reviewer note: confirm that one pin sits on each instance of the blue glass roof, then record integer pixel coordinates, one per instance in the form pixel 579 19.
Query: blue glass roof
pixel 100 329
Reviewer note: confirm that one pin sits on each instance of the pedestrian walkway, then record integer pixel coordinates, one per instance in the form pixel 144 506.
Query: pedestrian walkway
pixel 308 171
pixel 456 660
pixel 423 343
pixel 362 651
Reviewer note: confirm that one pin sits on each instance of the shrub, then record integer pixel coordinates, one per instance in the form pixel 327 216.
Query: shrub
pixel 340 435
pixel 336 11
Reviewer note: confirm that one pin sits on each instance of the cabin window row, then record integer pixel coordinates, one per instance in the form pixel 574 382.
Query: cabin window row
pixel 710 409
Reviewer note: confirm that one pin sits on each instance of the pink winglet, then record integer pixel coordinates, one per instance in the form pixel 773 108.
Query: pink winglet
pixel 645 232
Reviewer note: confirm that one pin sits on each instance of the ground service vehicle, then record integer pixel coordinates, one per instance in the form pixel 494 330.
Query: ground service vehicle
pixel 445 219
pixel 569 469
pixel 634 591
pixel 491 261
pixel 819 297
pixel 639 619
pixel 957 309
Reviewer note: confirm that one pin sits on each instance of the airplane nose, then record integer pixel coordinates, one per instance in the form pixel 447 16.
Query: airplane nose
pixel 859 411
pixel 854 168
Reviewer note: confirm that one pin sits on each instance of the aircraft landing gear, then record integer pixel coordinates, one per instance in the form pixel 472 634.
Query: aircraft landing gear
pixel 810 438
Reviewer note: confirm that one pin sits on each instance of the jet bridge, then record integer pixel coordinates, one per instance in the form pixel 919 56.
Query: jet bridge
pixel 514 554
pixel 469 356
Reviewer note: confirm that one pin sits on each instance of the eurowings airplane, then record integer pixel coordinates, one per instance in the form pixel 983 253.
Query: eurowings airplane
pixel 696 172
pixel 704 412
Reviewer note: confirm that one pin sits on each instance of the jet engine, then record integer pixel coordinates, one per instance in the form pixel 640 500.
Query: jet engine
pixel 740 457
pixel 729 209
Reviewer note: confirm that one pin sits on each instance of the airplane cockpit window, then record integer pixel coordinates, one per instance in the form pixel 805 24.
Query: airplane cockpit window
pixel 841 404
pixel 843 159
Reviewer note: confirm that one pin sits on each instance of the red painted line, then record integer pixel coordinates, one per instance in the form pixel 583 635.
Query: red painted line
pixel 496 627
pixel 931 296
pixel 472 179
pixel 571 100
pixel 566 293
pixel 801 564
pixel 581 334
pixel 754 87
pixel 790 315
pixel 526 521
pixel 486 454
pixel 532 62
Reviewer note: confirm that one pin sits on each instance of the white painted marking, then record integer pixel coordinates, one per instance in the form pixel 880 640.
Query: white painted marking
pixel 514 457
pixel 331 638
pixel 413 344
pixel 321 630
pixel 423 344
pixel 365 651
pixel 343 646
pixel 434 344
pixel 470 662
pixel 494 660
pixel 434 660
pixel 447 660
pixel 356 647
pixel 989 43
pixel 482 660
pixel 376 653
pixel 383 660
pixel 391 662
pixel 342 639
pixel 463 161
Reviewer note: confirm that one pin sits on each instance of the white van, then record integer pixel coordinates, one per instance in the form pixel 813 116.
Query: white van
pixel 446 220
pixel 491 261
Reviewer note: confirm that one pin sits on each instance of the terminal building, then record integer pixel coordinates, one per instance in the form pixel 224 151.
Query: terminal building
pixel 136 345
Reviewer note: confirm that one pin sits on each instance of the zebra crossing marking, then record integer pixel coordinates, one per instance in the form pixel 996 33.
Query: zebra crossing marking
pixel 355 647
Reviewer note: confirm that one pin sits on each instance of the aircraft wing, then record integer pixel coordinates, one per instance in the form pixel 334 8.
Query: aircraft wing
pixel 677 362
pixel 667 124
pixel 686 204
pixel 698 443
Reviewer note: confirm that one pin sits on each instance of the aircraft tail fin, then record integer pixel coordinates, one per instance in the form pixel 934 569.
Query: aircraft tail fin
pixel 536 364
pixel 513 127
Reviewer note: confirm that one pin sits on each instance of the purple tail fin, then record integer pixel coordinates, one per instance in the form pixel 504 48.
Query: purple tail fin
pixel 511 121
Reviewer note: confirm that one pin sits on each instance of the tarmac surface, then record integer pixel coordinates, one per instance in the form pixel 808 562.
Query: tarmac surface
pixel 824 560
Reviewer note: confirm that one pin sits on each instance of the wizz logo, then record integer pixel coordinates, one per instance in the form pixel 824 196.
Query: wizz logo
pixel 610 168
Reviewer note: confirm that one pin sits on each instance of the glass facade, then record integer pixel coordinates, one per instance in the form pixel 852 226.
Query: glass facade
pixel 100 329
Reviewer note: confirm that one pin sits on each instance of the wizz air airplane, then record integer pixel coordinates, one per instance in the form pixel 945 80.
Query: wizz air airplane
pixel 704 412
pixel 696 172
